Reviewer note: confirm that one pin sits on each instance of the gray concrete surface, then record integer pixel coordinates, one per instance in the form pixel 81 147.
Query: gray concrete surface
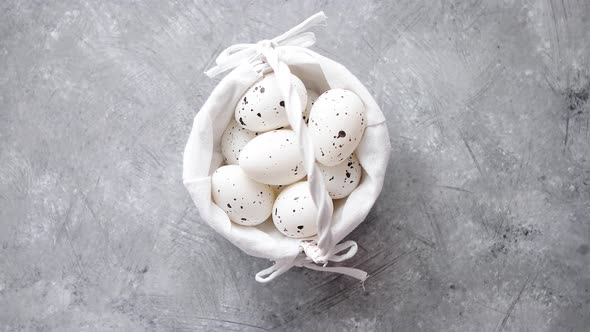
pixel 483 224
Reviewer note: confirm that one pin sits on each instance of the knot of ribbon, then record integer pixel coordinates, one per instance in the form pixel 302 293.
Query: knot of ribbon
pixel 238 54
pixel 316 255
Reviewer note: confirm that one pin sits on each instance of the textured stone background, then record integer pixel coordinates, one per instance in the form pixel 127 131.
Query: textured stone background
pixel 483 224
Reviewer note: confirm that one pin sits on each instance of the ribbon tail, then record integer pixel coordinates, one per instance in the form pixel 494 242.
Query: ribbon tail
pixel 305 39
pixel 349 271
pixel 316 19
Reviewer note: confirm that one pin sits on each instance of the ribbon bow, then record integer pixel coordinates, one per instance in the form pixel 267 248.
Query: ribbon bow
pixel 309 261
pixel 237 54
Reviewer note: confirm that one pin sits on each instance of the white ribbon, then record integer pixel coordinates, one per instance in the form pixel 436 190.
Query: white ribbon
pixel 261 55
pixel 238 54
pixel 283 266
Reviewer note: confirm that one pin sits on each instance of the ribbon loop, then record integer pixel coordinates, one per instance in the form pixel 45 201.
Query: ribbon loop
pixel 352 249
pixel 274 271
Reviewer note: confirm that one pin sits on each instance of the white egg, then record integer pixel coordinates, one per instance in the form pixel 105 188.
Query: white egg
pixel 273 158
pixel 245 201
pixel 342 178
pixel 262 108
pixel 294 213
pixel 336 125
pixel 312 96
pixel 233 140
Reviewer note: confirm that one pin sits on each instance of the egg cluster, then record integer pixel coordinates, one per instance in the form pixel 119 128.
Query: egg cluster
pixel 265 175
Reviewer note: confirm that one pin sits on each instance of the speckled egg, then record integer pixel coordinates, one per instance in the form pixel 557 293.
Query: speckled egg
pixel 343 178
pixel 312 96
pixel 262 108
pixel 273 158
pixel 336 125
pixel 245 201
pixel 294 213
pixel 233 140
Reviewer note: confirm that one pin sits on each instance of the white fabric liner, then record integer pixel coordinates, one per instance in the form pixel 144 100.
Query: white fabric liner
pixel 202 156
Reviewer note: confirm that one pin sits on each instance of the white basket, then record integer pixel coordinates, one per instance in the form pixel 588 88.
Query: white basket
pixel 202 156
